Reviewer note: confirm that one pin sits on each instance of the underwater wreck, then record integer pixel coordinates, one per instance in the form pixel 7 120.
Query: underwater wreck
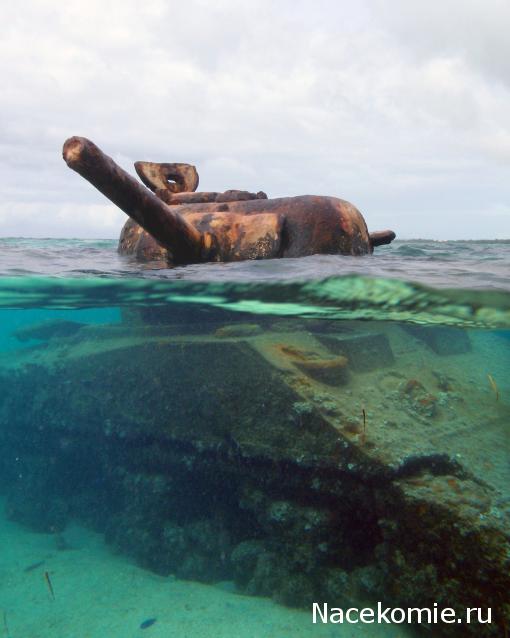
pixel 171 222
pixel 306 460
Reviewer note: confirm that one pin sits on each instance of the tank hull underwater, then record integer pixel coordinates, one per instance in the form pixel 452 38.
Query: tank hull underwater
pixel 269 465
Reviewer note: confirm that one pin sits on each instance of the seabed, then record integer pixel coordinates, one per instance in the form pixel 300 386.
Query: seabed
pixel 99 593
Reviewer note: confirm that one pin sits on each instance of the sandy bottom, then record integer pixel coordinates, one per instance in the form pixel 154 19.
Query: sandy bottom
pixel 102 595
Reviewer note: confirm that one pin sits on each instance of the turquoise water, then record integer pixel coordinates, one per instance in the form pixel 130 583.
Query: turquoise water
pixel 215 448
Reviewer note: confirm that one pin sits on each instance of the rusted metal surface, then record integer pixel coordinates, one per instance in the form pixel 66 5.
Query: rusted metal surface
pixel 310 224
pixel 302 226
pixel 382 237
pixel 178 225
pixel 174 178
pixel 238 236
pixel 206 197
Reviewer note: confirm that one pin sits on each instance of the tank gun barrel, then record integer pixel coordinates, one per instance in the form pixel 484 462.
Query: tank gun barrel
pixel 171 230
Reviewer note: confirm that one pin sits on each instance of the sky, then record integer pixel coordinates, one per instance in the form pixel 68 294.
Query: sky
pixel 401 107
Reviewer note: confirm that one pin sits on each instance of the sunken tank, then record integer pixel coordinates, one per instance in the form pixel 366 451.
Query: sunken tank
pixel 170 221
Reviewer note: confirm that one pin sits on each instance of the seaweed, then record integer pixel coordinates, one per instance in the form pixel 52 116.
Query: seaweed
pixel 494 386
pixel 50 586
pixel 363 438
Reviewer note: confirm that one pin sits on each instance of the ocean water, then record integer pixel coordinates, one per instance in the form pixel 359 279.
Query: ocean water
pixel 209 450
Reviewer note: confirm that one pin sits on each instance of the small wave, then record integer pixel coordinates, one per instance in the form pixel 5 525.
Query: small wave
pixel 479 265
pixel 410 251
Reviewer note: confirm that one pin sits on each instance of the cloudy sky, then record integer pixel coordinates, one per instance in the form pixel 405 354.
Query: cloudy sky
pixel 400 106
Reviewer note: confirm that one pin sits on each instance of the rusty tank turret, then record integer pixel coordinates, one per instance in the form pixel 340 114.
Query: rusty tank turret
pixel 170 221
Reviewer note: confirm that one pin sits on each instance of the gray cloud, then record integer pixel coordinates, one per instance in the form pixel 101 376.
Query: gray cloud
pixel 473 30
pixel 400 110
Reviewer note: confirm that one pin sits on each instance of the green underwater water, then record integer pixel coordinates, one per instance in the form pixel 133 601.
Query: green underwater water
pixel 287 440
